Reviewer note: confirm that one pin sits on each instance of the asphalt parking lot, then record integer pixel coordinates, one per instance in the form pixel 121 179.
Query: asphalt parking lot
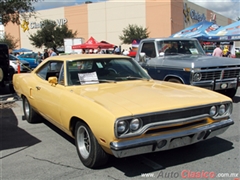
pixel 43 152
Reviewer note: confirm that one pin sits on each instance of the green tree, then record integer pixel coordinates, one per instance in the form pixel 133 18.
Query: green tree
pixel 51 35
pixel 238 18
pixel 9 40
pixel 133 32
pixel 11 10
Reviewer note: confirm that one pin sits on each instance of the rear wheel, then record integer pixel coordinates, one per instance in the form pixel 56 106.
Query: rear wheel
pixel 30 115
pixel 175 80
pixel 89 151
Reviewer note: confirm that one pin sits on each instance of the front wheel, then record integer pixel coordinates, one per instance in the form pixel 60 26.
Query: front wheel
pixel 174 80
pixel 89 151
pixel 30 115
pixel 229 92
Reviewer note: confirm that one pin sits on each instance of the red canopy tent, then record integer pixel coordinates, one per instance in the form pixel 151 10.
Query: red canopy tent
pixel 93 44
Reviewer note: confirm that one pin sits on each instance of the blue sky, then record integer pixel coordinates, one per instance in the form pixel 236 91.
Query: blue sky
pixel 228 8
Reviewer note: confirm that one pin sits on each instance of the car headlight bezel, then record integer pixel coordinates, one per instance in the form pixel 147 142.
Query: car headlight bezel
pixel 222 110
pixel 197 76
pixel 135 124
pixel 128 126
pixel 213 111
pixel 122 124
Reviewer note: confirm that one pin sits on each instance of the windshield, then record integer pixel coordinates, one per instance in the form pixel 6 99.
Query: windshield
pixel 104 71
pixel 13 58
pixel 173 47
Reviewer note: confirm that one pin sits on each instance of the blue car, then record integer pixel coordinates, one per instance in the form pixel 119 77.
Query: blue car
pixel 29 57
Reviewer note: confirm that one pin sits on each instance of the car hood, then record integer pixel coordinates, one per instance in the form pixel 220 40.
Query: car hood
pixel 199 61
pixel 137 97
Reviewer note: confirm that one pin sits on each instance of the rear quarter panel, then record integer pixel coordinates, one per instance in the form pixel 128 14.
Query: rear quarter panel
pixel 23 83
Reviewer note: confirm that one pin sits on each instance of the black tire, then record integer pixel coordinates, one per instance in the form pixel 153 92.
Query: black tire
pixel 30 115
pixel 174 80
pixel 89 151
pixel 11 88
pixel 1 75
pixel 2 83
pixel 11 72
pixel 229 92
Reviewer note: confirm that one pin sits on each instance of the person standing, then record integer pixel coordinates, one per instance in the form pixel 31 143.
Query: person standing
pixel 45 54
pixel 217 51
pixel 226 51
pixel 51 52
pixel 38 58
pixel 99 50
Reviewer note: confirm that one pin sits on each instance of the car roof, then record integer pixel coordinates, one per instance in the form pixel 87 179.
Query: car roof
pixel 73 57
pixel 168 38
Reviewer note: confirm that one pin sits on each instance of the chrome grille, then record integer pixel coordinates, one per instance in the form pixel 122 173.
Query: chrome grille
pixel 211 75
pixel 231 73
pixel 183 113
pixel 220 73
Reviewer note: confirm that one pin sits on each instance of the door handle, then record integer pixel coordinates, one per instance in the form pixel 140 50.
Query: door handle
pixel 38 88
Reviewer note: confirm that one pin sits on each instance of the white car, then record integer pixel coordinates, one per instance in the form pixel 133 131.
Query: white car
pixel 237 49
pixel 24 65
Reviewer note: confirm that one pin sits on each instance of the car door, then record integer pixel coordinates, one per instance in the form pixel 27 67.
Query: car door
pixel 154 62
pixel 30 58
pixel 47 95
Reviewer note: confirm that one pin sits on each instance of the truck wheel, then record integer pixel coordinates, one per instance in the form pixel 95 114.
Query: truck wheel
pixel 11 88
pixel 11 72
pixel 1 75
pixel 230 92
pixel 89 151
pixel 174 80
pixel 30 115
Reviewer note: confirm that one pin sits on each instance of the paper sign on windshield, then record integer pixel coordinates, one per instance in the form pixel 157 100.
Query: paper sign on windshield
pixel 88 78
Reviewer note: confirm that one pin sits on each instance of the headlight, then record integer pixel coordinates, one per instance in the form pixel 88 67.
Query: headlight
pixel 222 110
pixel 197 77
pixel 134 124
pixel 213 111
pixel 121 126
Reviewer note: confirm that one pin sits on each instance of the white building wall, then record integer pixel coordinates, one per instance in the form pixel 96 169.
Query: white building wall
pixel 112 17
pixel 56 14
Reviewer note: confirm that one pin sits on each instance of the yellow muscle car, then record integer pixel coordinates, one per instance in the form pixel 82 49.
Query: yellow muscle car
pixel 111 106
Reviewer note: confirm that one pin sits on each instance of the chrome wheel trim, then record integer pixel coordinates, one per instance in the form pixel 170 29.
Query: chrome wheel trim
pixel 1 74
pixel 26 109
pixel 83 142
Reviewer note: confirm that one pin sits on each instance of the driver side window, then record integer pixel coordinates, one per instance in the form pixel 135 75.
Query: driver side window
pixel 149 49
pixel 50 69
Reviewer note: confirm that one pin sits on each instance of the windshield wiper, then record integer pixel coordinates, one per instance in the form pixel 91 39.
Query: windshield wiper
pixel 98 81
pixel 108 81
pixel 132 78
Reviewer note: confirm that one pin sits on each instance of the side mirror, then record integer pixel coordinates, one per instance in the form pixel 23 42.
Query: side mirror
pixel 161 54
pixel 142 57
pixel 52 80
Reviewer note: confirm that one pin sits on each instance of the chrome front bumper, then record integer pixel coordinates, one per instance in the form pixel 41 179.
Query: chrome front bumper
pixel 168 141
pixel 218 85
